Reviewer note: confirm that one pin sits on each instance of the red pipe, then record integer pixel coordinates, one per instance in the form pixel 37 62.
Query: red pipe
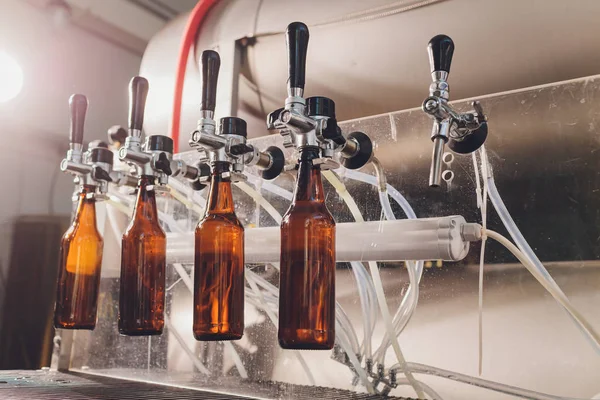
pixel 190 34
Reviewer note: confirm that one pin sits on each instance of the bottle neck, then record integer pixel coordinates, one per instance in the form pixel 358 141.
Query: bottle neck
pixel 145 204
pixel 309 186
pixel 220 199
pixel 86 207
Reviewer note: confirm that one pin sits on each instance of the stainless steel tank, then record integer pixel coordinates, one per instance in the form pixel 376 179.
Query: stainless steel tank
pixel 370 56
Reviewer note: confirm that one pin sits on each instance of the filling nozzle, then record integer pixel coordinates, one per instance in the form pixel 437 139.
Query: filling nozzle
pixel 153 158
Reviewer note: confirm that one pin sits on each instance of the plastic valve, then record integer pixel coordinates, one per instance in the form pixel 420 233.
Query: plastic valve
pixel 440 49
pixel 78 105
pixel 210 62
pixel 297 45
pixel 138 91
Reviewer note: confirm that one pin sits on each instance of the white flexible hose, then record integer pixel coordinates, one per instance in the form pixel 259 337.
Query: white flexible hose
pixel 411 297
pixel 482 204
pixel 185 347
pixel 385 312
pixel 586 329
pixel 366 310
pixel 236 359
pixel 557 294
pixel 197 199
pixel 495 386
pixel 259 199
pixel 190 204
pixel 408 305
pixel 250 278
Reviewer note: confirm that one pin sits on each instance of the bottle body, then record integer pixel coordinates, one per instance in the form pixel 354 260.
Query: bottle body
pixel 307 265
pixel 143 265
pixel 219 266
pixel 80 266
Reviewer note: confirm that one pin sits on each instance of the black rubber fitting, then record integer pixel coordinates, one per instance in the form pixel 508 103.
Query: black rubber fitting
pixel 470 143
pixel 365 151
pixel 97 143
pixel 101 154
pixel 320 106
pixel 197 185
pixel 232 126
pixel 159 143
pixel 277 163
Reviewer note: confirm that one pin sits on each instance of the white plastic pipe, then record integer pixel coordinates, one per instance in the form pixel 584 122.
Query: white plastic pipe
pixel 418 239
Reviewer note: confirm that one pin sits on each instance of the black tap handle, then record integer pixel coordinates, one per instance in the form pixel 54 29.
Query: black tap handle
pixel 211 62
pixel 78 105
pixel 440 49
pixel 138 91
pixel 297 46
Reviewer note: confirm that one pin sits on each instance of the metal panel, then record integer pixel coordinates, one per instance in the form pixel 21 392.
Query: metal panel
pixel 543 145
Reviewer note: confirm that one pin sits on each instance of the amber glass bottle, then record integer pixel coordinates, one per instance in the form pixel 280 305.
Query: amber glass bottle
pixel 80 263
pixel 219 265
pixel 307 269
pixel 143 262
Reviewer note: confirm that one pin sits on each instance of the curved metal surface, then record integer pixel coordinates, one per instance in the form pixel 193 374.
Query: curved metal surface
pixel 377 65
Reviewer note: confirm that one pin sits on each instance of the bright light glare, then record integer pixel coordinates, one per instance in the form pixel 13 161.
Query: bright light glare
pixel 11 78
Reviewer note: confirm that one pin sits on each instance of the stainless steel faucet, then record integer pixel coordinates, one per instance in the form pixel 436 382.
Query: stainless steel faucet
pixel 464 132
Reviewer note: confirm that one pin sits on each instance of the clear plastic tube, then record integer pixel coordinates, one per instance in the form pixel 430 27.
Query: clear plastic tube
pixel 411 297
pixel 522 244
pixel 279 191
pixel 557 294
pixel 355 363
pixel 495 386
pixel 258 198
pixel 185 347
pixel 190 204
pixel 250 278
pixel 482 204
pixel 387 318
pixel 179 186
pixel 386 206
pixel 344 321
pixel 366 312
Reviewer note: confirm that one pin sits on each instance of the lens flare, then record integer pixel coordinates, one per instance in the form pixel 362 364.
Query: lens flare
pixel 11 78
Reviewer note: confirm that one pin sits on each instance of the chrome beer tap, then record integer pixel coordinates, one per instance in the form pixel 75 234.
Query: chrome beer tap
pixel 153 158
pixel 94 166
pixel 312 122
pixel 464 132
pixel 229 144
